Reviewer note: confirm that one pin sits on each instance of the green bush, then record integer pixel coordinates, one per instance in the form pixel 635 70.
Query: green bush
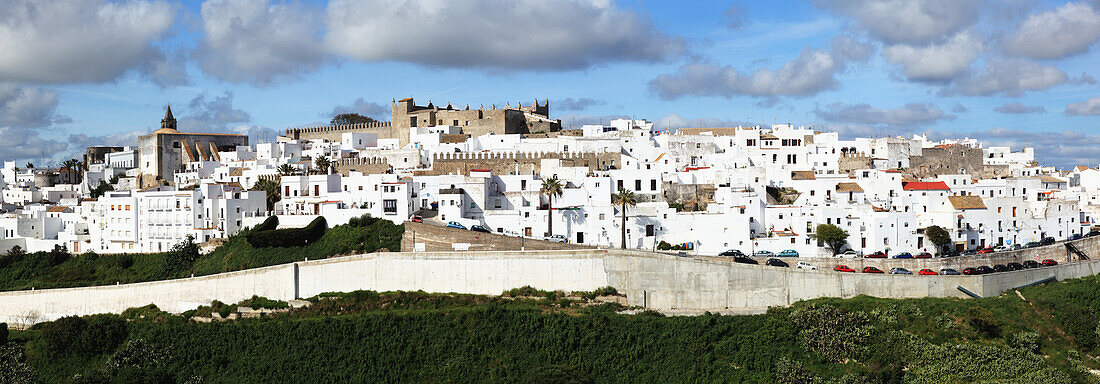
pixel 59 335
pixel 270 224
pixel 103 333
pixel 257 302
pixel 290 237
pixel 181 257
pixel 3 333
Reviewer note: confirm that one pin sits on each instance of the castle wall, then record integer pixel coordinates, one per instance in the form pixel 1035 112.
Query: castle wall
pixel 952 160
pixel 506 163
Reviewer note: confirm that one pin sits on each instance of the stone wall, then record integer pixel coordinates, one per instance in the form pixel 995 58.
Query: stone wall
pixel 440 239
pixel 507 163
pixel 951 160
pixel 335 133
pixel 366 165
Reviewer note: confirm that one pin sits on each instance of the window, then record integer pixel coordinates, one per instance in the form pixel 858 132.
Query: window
pixel 637 185
pixel 389 206
pixel 653 187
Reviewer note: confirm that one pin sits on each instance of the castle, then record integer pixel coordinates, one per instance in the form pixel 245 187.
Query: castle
pixel 164 152
pixel 405 114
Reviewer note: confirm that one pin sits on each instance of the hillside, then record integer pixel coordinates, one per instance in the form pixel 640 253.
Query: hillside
pixel 1046 334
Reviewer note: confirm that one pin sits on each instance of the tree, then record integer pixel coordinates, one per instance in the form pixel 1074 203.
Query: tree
pixel 181 257
pixel 624 199
pixel 551 188
pixel 351 118
pixel 322 163
pixel 271 187
pixel 938 236
pixel 101 189
pixel 72 166
pixel 834 237
pixel 30 165
pixel 287 169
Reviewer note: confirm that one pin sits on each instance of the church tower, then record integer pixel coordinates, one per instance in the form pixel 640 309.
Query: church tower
pixel 168 122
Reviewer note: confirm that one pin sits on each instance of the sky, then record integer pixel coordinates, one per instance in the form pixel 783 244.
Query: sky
pixel 78 73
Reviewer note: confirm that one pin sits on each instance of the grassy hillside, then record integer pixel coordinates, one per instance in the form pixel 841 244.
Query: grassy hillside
pixel 59 269
pixel 1051 337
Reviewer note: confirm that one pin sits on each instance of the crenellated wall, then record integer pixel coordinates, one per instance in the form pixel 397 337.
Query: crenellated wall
pixel 504 163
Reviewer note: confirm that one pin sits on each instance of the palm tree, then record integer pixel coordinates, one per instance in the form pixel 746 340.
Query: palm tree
pixel 625 199
pixel 551 188
pixel 71 165
pixel 286 169
pixel 322 163
pixel 271 188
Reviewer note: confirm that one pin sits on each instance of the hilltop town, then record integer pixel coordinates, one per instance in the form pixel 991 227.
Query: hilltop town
pixel 513 170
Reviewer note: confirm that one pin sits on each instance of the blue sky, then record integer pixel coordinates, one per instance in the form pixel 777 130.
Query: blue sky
pixel 1010 72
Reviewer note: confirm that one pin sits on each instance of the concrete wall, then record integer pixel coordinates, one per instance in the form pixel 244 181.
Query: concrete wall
pixel 652 280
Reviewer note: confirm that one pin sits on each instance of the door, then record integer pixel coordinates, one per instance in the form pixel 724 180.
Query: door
pixel 527 231
pixel 580 237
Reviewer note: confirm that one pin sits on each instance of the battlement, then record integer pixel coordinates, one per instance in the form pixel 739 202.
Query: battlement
pixel 513 155
pixel 297 132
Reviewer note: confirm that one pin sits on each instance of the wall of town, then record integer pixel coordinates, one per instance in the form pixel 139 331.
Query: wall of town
pixel 951 160
pixel 652 280
pixel 507 163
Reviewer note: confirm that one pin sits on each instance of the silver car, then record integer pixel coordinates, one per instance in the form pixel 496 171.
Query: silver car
pixel 900 271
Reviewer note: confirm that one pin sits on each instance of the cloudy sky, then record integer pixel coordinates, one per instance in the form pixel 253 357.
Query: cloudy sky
pixel 75 73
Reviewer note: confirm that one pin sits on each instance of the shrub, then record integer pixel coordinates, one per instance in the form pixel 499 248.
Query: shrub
pixel 13 369
pixel 103 333
pixel 60 334
pixel 1028 341
pixel 271 224
pixel 3 333
pixel 124 261
pixel 58 255
pixel 257 302
pixel 291 237
pixel 181 257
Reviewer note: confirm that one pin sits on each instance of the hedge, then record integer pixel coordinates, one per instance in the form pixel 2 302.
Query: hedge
pixel 290 237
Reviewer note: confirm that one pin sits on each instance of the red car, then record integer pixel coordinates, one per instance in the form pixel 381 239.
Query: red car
pixel 985 250
pixel 1050 262
pixel 923 255
pixel 417 219
pixel 876 255
pixel 843 268
pixel 971 271
pixel 871 270
pixel 927 272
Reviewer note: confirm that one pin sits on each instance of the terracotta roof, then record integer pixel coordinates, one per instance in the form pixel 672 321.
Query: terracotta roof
pixel 1050 179
pixel 966 202
pixel 925 186
pixel 848 187
pixel 803 175
pixel 237 171
pixel 56 209
pixel 768 136
pixel 1080 168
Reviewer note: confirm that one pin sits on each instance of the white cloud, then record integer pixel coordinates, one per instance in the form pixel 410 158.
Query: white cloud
pixel 1090 107
pixel 1018 108
pixel 362 107
pixel 813 71
pixel 497 35
pixel 936 62
pixel 673 121
pixel 1012 77
pixel 63 41
pixel 1068 30
pixel 28 107
pixel 258 42
pixel 578 104
pixel 25 144
pixel 907 21
pixel 907 115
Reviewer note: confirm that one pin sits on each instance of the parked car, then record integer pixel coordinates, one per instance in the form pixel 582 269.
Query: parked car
pixel 1049 262
pixel 985 250
pixel 970 271
pixel 970 252
pixel 927 272
pixel 455 224
pixel 744 260
pixel 1015 266
pixel 1017 246
pixel 900 271
pixel 763 254
pixel 416 219
pixel 1046 241
pixel 1031 244
pixel 903 255
pixel 1032 264
pixel 923 255
pixel 731 253
pixel 1092 233
pixel 843 268
pixel 872 270
pixel 876 255
pixel 1075 236
pixel 805 265
pixel 1001 248
pixel 478 228
pixel 556 238
pixel 849 253
pixel 950 253
pixel 949 272
pixel 776 263
pixel 788 253
pixel 1001 268
pixel 985 269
